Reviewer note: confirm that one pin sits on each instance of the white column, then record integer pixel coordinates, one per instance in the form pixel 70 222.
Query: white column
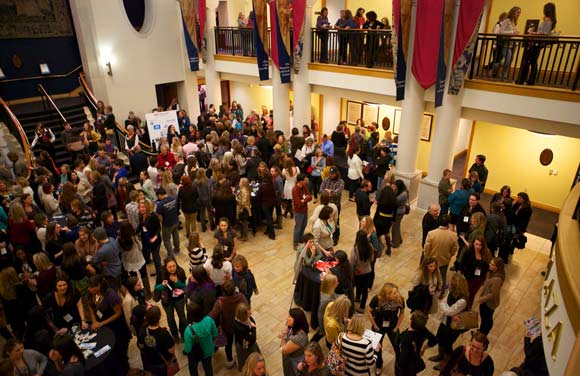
pixel 302 105
pixel 446 128
pixel 280 103
pixel 411 117
pixel 212 77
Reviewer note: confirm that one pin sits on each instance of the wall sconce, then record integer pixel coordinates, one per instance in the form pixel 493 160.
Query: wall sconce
pixel 109 70
pixel 44 69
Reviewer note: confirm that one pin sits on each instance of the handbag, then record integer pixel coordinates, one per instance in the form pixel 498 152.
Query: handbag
pixel 171 365
pixel 309 170
pixel 76 146
pixel 111 200
pixel 465 320
pixel 335 360
pixel 220 340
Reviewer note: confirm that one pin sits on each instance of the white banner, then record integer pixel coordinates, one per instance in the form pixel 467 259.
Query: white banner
pixel 159 122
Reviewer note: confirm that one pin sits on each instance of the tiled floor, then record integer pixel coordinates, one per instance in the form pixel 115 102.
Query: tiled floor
pixel 272 264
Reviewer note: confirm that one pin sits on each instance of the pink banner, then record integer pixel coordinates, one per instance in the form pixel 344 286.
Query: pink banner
pixel 201 12
pixel 298 14
pixel 427 41
pixel 469 13
pixel 273 35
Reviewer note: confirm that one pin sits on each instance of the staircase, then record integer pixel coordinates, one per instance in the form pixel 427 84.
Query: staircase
pixel 73 109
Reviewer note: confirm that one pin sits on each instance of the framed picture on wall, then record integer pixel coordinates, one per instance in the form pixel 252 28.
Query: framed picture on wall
pixel 353 112
pixel 370 113
pixel 397 121
pixel 426 125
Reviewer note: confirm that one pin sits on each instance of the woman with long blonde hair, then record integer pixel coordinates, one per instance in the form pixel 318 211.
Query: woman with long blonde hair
pixel 255 365
pixel 335 318
pixel 386 312
pixel 452 305
pixel 22 231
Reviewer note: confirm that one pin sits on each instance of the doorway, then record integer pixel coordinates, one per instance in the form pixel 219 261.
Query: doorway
pixel 166 93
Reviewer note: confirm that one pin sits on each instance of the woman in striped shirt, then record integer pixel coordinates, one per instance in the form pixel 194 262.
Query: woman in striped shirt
pixel 196 251
pixel 359 352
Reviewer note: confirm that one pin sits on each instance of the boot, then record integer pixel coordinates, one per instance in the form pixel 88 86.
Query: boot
pixel 244 230
pixel 388 241
pixel 278 224
pixel 438 357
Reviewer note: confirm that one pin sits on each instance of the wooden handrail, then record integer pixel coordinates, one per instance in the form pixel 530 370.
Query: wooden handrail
pixel 44 76
pixel 88 93
pixel 45 93
pixel 21 133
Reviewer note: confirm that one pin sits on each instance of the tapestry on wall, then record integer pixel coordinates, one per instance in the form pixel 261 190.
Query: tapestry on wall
pixel 34 19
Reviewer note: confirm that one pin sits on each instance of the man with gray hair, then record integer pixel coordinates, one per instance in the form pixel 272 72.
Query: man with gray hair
pixel 430 221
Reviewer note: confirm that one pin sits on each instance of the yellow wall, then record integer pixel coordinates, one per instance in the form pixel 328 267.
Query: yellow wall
pixel 381 7
pixel 567 12
pixel 389 111
pixel 513 159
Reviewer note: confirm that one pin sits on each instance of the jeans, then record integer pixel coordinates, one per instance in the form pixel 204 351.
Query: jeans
pixel 507 52
pixel 315 182
pixel 167 233
pixel 176 305
pixel 486 315
pixel 268 215
pixel 193 362
pixel 393 337
pixel 300 220
pixel 352 185
pixel 443 271
pixel 190 223
pixel 397 239
pixel 152 249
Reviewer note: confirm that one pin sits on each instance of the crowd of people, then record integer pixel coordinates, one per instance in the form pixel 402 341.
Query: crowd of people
pixel 76 241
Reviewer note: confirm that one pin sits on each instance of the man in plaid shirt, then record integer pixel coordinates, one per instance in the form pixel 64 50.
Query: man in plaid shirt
pixel 334 185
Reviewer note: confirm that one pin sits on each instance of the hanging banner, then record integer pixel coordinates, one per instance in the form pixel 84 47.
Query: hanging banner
pixel 427 41
pixel 444 46
pixel 261 38
pixel 298 15
pixel 201 14
pixel 284 45
pixel 462 65
pixel 400 41
pixel 273 34
pixel 470 14
pixel 188 19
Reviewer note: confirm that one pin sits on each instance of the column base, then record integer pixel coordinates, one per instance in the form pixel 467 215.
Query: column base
pixel 428 193
pixel 411 180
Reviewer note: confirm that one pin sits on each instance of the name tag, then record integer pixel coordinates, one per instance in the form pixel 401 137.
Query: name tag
pixel 144 229
pixel 3 251
pixel 99 314
pixel 478 272
pixel 225 247
pixel 386 324
pixel 67 317
pixel 466 219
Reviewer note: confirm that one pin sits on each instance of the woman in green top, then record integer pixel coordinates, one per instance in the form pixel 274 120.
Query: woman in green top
pixel 171 292
pixel 198 339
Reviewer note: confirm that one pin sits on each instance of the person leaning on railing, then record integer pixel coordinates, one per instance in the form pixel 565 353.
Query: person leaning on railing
pixel 534 47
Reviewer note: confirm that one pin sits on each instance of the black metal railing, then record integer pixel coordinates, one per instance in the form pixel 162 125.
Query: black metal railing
pixel 356 47
pixel 533 60
pixel 552 61
pixel 48 103
pixel 236 41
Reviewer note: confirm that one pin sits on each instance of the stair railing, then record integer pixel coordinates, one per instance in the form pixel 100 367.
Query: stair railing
pixel 88 93
pixel 49 103
pixel 16 129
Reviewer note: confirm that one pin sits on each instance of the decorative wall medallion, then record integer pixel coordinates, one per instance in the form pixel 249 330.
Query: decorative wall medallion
pixel 16 61
pixel 546 157
pixel 386 123
pixel 135 10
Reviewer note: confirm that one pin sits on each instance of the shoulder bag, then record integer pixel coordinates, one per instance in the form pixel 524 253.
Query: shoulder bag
pixel 465 320
pixel 335 360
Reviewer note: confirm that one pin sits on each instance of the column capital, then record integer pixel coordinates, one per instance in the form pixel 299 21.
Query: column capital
pixel 211 4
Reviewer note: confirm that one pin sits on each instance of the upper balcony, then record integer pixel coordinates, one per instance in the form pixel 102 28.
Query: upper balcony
pixel 542 61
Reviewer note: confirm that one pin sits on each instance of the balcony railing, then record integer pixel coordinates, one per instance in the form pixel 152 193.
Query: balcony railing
pixel 532 60
pixel 370 48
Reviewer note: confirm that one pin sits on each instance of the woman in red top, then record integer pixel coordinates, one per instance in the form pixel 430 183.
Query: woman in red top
pixel 21 229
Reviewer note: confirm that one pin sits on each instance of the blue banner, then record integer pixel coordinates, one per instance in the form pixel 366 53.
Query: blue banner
pixel 260 38
pixel 441 66
pixel 401 68
pixel 190 46
pixel 283 48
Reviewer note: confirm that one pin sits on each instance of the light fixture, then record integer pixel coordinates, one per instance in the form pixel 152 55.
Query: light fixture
pixel 109 70
pixel 44 69
pixel 2 75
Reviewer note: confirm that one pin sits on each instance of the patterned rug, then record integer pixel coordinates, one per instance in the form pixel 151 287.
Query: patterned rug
pixel 34 19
